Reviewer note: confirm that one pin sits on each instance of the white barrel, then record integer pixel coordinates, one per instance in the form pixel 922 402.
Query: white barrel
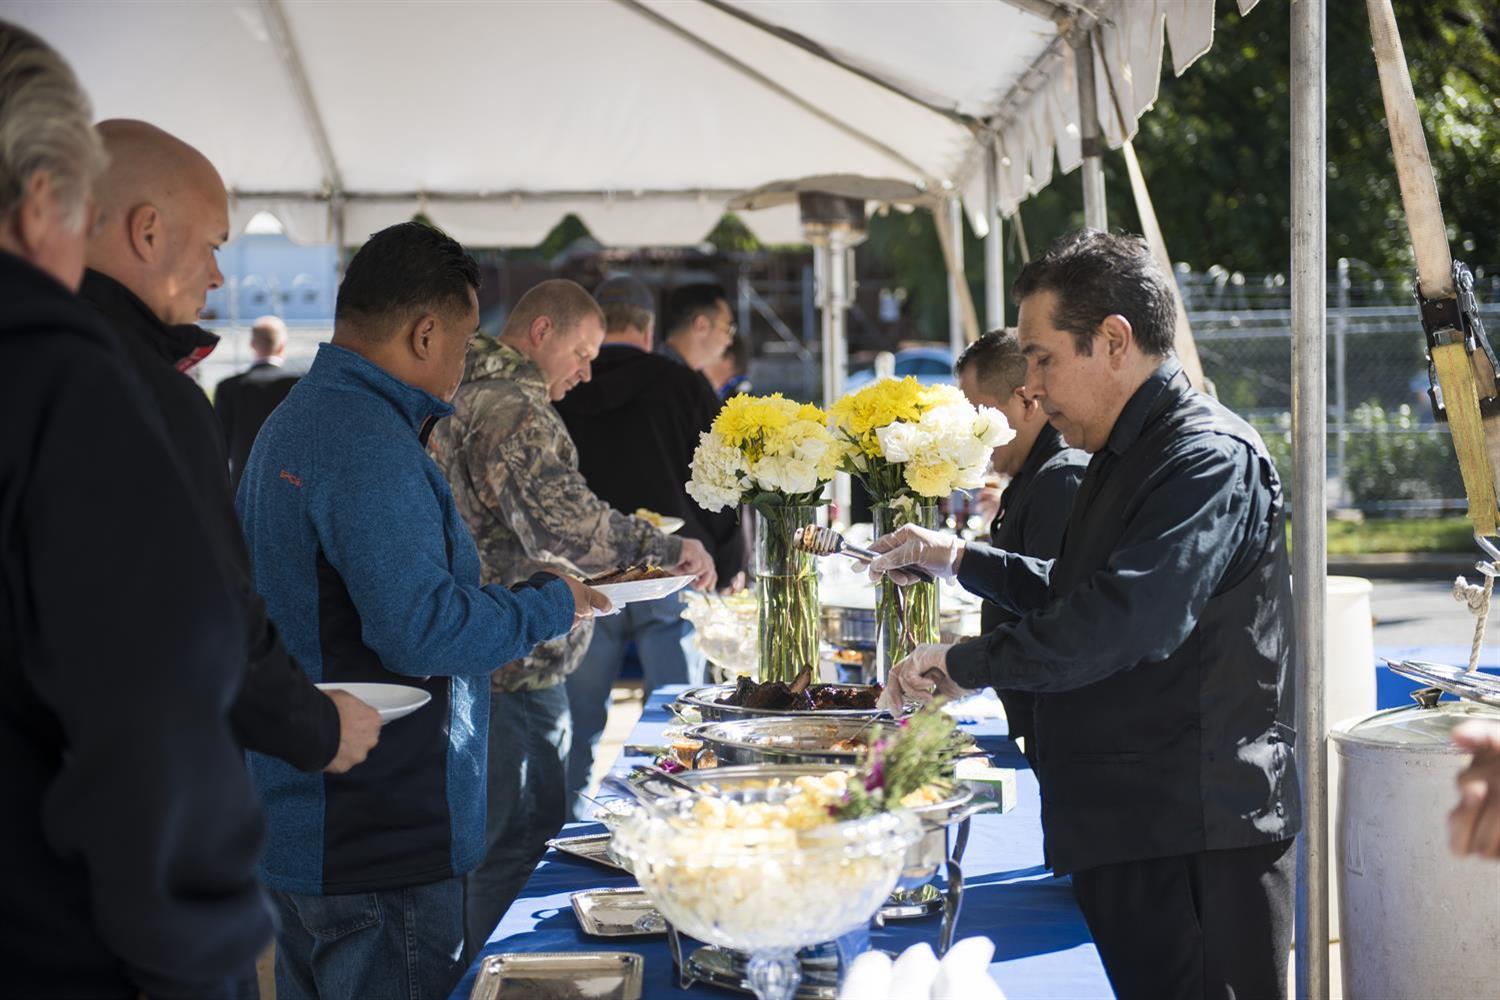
pixel 1416 921
pixel 1348 682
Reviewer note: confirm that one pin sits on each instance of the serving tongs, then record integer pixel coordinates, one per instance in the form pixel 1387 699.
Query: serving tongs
pixel 822 541
pixel 650 786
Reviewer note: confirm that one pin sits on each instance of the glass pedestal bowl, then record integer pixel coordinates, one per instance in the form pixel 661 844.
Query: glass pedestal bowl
pixel 767 891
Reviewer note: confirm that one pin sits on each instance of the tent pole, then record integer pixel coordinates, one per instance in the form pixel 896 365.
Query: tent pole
pixel 340 234
pixel 1094 214
pixel 1309 488
pixel 955 261
pixel 994 258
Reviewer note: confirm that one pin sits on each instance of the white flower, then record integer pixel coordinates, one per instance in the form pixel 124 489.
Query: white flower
pixel 899 441
pixel 719 474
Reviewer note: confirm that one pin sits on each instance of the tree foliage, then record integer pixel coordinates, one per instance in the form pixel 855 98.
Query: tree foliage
pixel 1216 153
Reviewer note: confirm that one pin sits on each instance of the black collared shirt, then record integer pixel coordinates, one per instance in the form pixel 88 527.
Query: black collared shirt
pixel 1207 522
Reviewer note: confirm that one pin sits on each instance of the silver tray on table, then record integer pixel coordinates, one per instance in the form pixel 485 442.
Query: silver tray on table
pixel 711 707
pixel 590 847
pixel 617 913
pixel 577 975
pixel 801 740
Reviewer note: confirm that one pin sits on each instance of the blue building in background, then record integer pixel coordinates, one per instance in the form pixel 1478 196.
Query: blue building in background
pixel 268 273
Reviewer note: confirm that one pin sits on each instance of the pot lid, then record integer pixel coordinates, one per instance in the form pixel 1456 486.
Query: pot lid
pixel 1414 727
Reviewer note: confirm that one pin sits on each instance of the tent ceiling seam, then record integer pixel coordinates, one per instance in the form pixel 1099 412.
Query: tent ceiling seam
pixel 1082 17
pixel 770 84
pixel 281 32
pixel 419 195
pixel 811 47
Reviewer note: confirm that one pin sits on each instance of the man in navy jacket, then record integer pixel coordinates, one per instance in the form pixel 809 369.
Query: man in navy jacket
pixel 131 830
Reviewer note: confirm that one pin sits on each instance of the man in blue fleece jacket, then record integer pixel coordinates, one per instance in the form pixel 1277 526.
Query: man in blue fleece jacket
pixel 371 575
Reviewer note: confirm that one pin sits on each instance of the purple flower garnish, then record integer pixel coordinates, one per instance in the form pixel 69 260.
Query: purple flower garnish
pixel 876 778
pixel 671 765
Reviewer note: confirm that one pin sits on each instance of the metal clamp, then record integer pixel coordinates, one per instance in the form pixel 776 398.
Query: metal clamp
pixel 1452 321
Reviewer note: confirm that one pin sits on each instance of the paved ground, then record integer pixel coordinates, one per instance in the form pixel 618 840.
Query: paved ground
pixel 1412 613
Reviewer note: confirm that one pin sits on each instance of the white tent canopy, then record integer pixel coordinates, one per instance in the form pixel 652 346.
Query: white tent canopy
pixel 642 117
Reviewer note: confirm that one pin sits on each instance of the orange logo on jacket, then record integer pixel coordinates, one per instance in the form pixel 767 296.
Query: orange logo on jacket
pixel 294 480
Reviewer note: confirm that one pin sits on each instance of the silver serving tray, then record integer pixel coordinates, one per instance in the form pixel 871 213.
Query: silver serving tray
pixel 617 913
pixel 789 740
pixel 592 847
pixel 578 975
pixel 726 969
pixel 708 702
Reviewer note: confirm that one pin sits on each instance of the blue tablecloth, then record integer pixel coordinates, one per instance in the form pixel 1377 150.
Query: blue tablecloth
pixel 1042 948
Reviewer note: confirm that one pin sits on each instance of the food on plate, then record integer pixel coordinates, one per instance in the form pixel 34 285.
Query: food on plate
pixel 630 574
pixel 656 520
pixel 802 696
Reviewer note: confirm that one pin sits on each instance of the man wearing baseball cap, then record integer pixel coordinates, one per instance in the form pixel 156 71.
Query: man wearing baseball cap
pixel 636 425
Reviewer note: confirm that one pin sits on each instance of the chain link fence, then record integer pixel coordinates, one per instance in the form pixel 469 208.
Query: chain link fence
pixel 1386 453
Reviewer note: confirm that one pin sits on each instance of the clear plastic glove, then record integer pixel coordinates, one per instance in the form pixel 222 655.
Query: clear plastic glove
pixel 919 678
pixel 910 547
pixel 696 560
pixel 1474 825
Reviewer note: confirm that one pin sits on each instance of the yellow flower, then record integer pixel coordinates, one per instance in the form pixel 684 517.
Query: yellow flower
pixel 934 479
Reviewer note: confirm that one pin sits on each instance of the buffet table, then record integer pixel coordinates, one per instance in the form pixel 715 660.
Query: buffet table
pixel 1042 948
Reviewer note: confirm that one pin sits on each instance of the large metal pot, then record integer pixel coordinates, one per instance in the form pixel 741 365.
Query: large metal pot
pixel 922 859
pixel 1415 920
pixel 709 704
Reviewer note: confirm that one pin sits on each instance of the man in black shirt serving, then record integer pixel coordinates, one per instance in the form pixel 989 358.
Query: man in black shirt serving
pixel 1158 643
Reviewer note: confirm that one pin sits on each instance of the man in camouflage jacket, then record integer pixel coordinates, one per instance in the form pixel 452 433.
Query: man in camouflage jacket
pixel 514 474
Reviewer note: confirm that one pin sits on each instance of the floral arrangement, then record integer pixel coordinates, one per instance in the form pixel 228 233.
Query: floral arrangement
pixel 911 768
pixel 764 449
pixel 905 439
pixel 776 455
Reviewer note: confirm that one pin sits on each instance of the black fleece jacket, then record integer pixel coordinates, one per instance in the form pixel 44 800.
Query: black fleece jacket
pixel 131 830
pixel 636 423
pixel 279 711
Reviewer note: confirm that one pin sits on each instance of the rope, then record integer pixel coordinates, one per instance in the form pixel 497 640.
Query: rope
pixel 1477 599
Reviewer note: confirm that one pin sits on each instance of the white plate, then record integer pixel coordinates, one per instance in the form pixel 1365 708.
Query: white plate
pixel 664 523
pixel 392 701
pixel 642 590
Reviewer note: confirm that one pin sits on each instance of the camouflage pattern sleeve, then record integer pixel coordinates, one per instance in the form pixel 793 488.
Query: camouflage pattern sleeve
pixel 541 497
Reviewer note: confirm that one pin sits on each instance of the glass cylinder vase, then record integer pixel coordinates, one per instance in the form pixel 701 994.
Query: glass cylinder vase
pixel 904 616
pixel 786 591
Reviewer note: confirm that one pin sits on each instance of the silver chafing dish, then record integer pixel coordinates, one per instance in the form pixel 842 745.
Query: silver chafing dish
pixel 787 740
pixel 709 703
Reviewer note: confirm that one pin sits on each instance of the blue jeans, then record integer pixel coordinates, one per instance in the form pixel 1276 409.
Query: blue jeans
pixel 529 736
pixel 400 944
pixel 663 641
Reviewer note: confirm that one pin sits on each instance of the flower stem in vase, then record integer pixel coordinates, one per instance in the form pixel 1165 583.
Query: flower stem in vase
pixel 786 588
pixel 905 616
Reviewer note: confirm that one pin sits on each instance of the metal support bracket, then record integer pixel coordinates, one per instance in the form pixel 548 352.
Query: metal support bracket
pixel 1456 321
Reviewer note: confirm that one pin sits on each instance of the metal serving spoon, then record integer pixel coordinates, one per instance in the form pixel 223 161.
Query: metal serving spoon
pixel 822 541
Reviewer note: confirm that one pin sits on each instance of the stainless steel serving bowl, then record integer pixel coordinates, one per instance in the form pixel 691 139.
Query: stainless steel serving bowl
pixel 789 740
pixel 709 703
pixel 923 858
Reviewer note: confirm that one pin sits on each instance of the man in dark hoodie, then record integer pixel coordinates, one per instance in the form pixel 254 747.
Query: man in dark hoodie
pixel 131 829
pixel 163 215
pixel 636 424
